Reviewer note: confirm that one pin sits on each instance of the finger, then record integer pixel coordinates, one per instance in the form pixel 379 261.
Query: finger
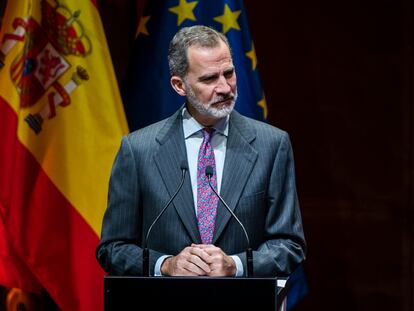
pixel 196 270
pixel 205 246
pixel 202 245
pixel 201 258
pixel 212 250
pixel 196 266
pixel 175 267
pixel 191 259
pixel 184 267
pixel 203 254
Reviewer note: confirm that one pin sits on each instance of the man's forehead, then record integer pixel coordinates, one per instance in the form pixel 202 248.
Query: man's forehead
pixel 209 57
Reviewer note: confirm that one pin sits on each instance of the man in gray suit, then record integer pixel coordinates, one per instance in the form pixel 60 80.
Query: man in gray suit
pixel 253 170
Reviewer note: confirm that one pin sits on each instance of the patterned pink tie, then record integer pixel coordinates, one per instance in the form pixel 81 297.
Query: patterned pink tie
pixel 206 199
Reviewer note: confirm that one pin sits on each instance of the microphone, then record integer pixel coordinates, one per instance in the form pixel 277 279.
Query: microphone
pixel 249 251
pixel 145 251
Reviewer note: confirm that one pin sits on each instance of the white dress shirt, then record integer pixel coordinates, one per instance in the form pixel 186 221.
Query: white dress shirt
pixel 193 138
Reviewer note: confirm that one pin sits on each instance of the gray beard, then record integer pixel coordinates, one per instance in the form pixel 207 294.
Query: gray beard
pixel 207 109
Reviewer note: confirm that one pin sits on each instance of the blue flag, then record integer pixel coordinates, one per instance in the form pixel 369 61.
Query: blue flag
pixel 147 94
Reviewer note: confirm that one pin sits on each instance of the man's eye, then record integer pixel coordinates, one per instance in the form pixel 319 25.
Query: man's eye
pixel 228 74
pixel 208 79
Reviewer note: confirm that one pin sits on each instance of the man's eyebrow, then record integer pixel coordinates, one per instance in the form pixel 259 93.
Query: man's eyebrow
pixel 214 75
pixel 208 76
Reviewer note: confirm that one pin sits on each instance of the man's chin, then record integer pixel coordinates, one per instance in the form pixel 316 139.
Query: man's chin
pixel 221 112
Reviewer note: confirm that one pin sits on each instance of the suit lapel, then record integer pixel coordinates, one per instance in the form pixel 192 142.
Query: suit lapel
pixel 168 159
pixel 239 161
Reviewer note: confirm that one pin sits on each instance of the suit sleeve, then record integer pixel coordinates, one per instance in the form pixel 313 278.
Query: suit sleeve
pixel 119 251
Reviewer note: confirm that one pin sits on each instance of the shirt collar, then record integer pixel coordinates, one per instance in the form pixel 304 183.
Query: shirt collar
pixel 191 126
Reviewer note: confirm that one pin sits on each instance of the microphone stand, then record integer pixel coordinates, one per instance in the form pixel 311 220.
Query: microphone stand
pixel 249 251
pixel 145 250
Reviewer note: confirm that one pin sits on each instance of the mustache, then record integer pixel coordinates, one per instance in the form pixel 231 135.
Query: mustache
pixel 222 98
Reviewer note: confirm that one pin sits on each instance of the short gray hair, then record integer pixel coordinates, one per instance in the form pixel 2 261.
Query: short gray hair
pixel 195 35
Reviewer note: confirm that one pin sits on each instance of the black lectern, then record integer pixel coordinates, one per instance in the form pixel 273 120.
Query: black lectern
pixel 192 293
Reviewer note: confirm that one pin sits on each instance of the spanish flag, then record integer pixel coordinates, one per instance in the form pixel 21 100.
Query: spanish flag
pixel 61 121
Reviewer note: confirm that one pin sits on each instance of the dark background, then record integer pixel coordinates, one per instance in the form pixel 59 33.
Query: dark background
pixel 338 76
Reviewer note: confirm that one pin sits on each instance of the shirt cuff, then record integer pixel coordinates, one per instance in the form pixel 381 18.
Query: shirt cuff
pixel 239 266
pixel 158 264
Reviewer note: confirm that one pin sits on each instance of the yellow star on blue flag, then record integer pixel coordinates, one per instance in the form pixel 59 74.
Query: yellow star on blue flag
pixel 184 11
pixel 228 19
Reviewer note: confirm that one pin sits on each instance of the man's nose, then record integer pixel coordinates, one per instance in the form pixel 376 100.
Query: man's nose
pixel 223 86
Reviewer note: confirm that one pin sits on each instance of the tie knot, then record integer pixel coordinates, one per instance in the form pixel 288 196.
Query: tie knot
pixel 207 133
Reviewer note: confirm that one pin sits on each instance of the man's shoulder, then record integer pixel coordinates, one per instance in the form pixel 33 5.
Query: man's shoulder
pixel 260 128
pixel 150 132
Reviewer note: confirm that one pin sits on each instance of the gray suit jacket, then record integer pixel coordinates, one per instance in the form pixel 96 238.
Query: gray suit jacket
pixel 258 184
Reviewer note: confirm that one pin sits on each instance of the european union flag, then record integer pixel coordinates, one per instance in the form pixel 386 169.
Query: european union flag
pixel 147 94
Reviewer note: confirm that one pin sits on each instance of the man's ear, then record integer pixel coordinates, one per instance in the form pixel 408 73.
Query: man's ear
pixel 178 85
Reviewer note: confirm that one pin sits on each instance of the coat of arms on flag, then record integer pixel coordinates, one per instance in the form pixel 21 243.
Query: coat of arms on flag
pixel 42 61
